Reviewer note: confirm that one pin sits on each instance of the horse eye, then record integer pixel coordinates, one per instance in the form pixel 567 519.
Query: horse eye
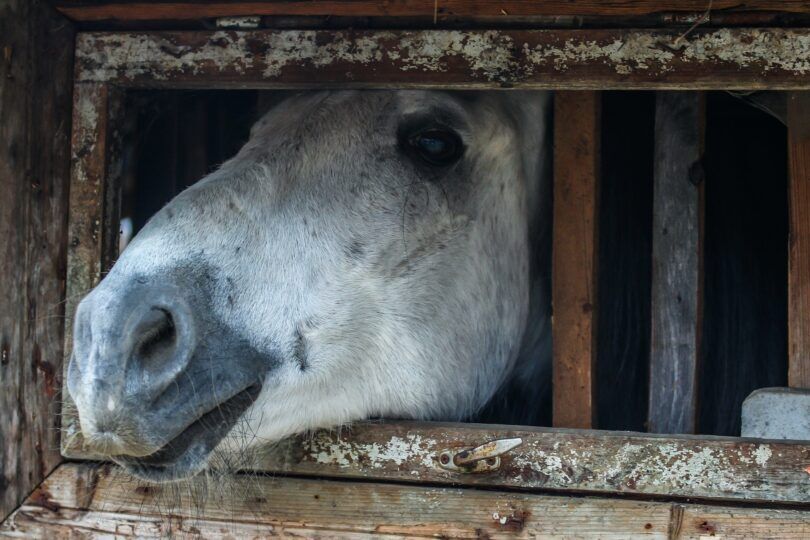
pixel 439 147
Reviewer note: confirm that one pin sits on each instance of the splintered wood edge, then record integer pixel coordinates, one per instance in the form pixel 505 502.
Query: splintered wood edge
pixel 102 500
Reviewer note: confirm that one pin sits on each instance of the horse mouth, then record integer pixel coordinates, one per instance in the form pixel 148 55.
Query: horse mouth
pixel 187 453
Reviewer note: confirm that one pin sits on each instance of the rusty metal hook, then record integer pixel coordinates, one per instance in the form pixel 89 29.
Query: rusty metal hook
pixel 483 458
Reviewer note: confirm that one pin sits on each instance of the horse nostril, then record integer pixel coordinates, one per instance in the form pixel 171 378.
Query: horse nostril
pixel 162 341
pixel 158 338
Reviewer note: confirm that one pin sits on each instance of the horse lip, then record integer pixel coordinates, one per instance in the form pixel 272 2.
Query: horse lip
pixel 186 454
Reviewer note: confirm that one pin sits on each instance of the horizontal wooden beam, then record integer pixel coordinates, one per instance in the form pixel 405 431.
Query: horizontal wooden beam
pixel 99 502
pixel 84 10
pixel 597 462
pixel 557 59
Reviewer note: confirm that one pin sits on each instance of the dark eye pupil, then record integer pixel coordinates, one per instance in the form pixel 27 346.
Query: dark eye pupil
pixel 440 147
pixel 437 146
pixel 432 145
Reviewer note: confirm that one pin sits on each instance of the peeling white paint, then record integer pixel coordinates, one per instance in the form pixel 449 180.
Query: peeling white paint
pixel 662 467
pixel 86 119
pixel 292 48
pixel 396 452
pixel 637 52
pixel 133 55
pixel 492 56
pixel 768 49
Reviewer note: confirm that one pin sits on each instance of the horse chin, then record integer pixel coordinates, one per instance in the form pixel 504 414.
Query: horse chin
pixel 187 454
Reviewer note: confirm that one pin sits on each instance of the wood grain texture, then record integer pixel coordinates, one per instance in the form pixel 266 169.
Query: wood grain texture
pixel 93 214
pixel 558 59
pixel 549 460
pixel 799 246
pixel 84 10
pixel 88 501
pixel 572 461
pixel 577 126
pixel 35 72
pixel 677 280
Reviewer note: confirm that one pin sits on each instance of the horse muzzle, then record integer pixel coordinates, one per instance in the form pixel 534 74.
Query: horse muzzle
pixel 157 379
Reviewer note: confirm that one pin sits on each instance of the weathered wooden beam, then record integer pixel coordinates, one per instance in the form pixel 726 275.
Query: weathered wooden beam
pixel 677 273
pixel 575 252
pixel 574 461
pixel 558 59
pixel 100 502
pixel 36 56
pixel 88 10
pixel 799 250
pixel 549 460
pixel 93 212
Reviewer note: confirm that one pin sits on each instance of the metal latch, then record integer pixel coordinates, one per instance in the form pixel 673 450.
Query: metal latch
pixel 481 459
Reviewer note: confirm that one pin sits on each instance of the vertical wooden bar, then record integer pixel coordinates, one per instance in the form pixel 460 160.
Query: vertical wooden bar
pixel 36 72
pixel 799 250
pixel 93 214
pixel 677 262
pixel 575 245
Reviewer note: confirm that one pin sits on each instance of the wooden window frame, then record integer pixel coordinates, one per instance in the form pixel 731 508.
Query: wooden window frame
pixel 550 460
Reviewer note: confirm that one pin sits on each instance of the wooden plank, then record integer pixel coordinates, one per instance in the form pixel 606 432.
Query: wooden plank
pixel 677 280
pixel 549 460
pixel 93 214
pixel 559 460
pixel 574 269
pixel 84 10
pixel 14 88
pixel 799 251
pixel 94 502
pixel 560 59
pixel 35 72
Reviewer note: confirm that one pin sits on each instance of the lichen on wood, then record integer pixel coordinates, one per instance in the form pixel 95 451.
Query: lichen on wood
pixel 560 460
pixel 724 58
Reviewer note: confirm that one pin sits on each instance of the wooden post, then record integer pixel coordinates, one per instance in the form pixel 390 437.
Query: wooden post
pixel 94 214
pixel 677 262
pixel 799 251
pixel 575 245
pixel 36 70
pixel 101 502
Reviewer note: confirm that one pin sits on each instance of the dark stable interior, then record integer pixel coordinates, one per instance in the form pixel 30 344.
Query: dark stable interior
pixel 176 137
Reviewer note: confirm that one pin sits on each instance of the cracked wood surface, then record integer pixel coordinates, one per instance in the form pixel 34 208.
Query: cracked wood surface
pixel 95 501
pixel 36 60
